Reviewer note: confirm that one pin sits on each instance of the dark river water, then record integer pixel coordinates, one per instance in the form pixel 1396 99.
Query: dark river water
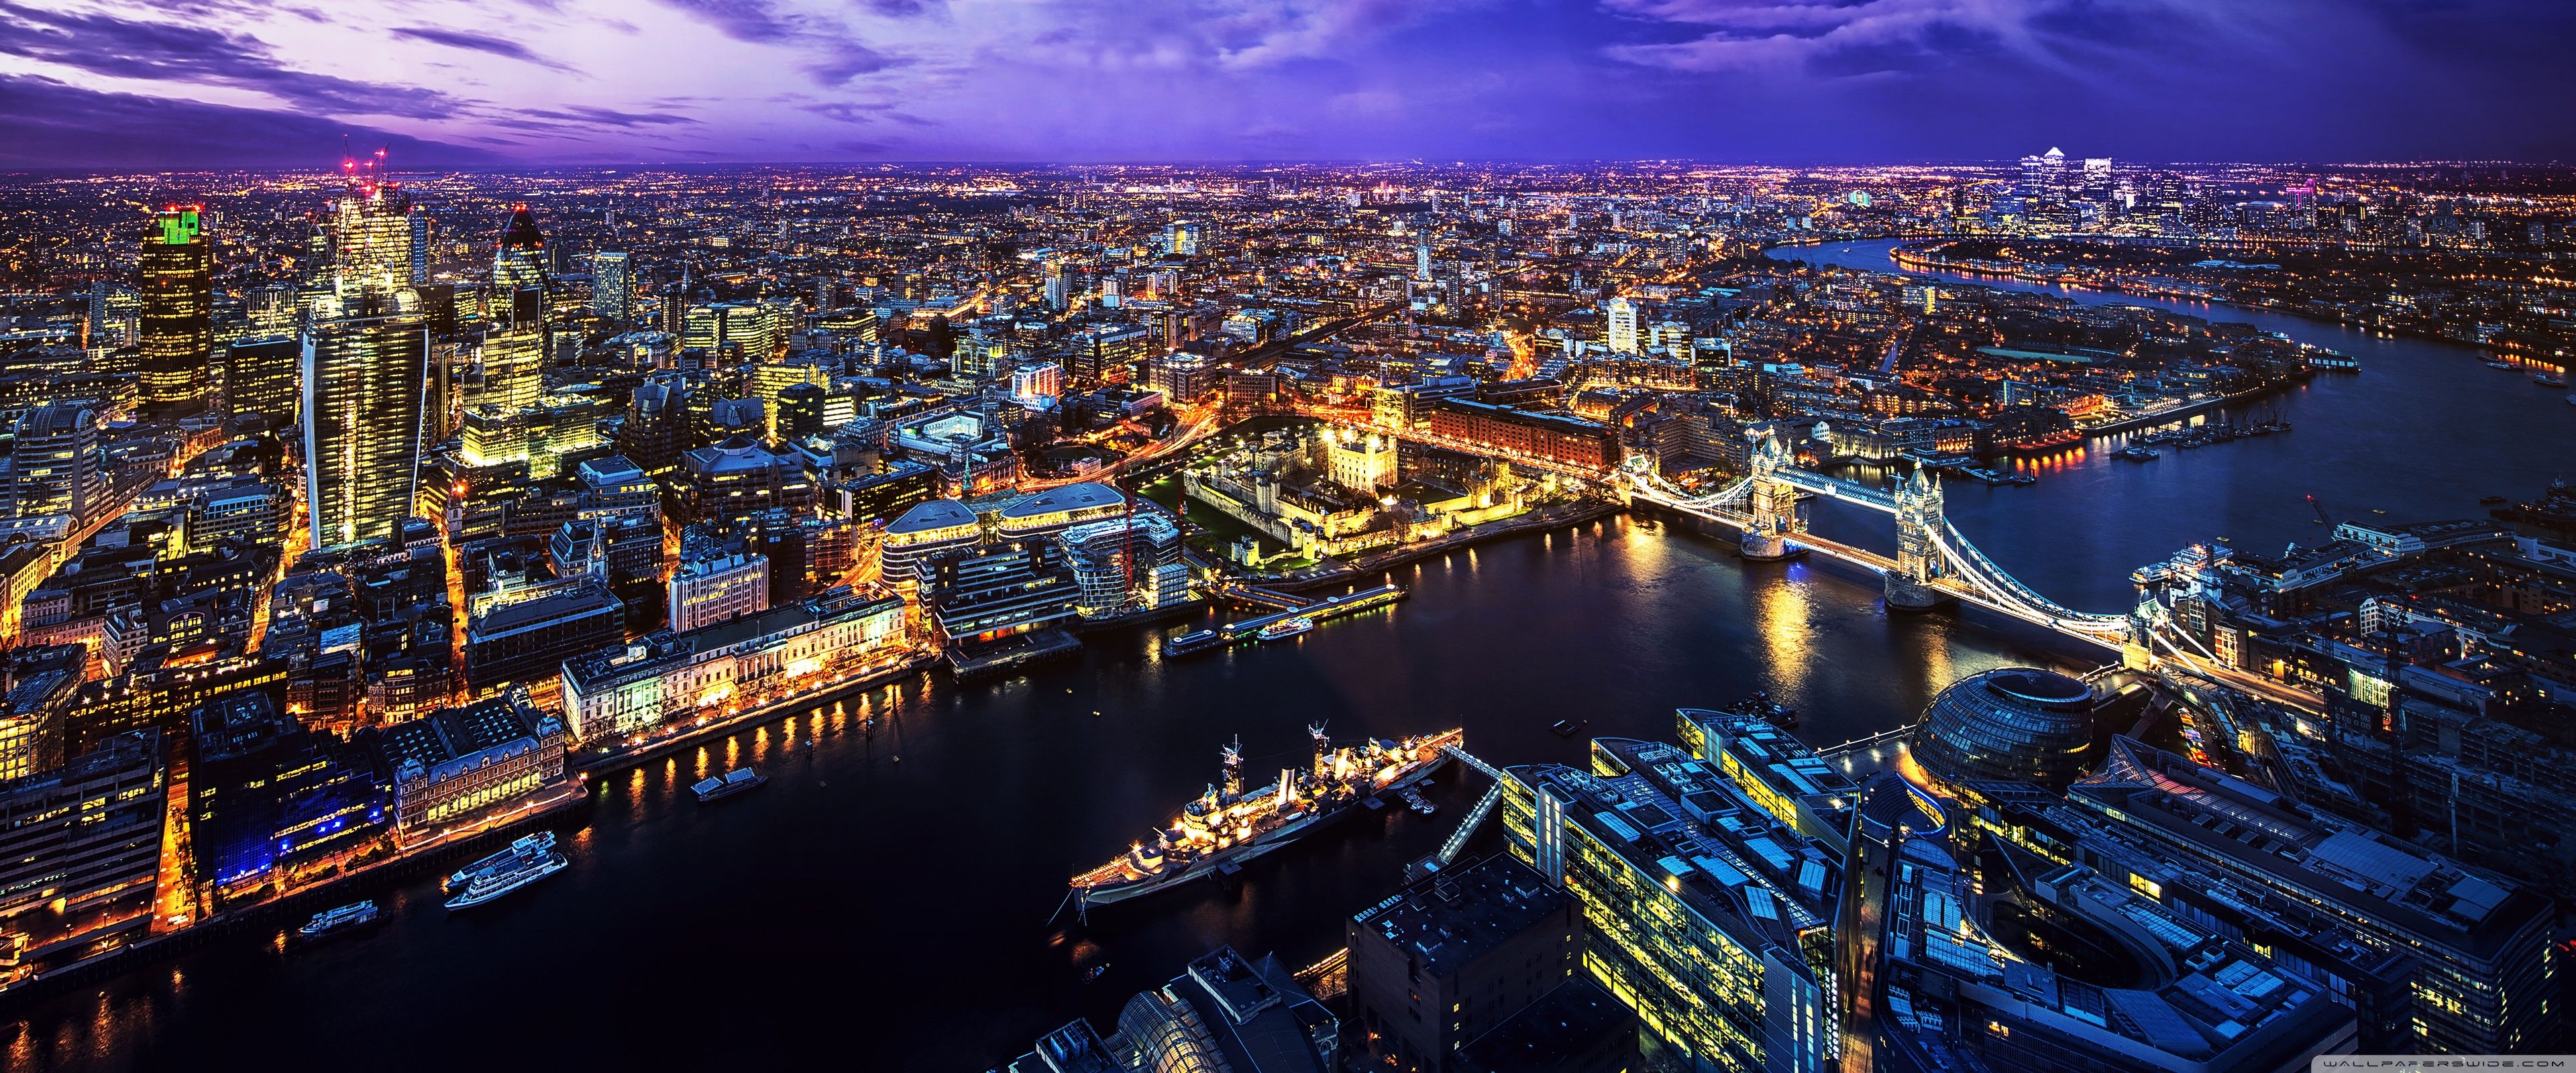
pixel 2422 433
pixel 883 903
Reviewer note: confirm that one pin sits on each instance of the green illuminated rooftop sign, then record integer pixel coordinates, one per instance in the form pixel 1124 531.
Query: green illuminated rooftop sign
pixel 179 228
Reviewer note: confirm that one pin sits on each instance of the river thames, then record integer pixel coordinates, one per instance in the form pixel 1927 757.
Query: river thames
pixel 883 903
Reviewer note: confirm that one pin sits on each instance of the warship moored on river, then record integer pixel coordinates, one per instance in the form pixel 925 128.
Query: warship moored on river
pixel 1227 826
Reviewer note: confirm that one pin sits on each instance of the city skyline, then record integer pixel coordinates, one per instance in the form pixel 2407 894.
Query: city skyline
pixel 218 83
pixel 1285 536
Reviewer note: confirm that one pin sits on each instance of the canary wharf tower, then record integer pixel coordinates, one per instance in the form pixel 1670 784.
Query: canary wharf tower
pixel 366 350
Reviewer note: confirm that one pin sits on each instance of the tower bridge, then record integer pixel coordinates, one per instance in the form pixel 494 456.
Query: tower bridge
pixel 1935 564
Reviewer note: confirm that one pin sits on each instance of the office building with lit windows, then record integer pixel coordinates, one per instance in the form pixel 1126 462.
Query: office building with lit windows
pixel 456 762
pixel 2483 974
pixel 177 334
pixel 363 377
pixel 55 466
pixel 718 585
pixel 620 690
pixel 1703 915
pixel 612 285
pixel 80 849
pixel 261 377
pixel 513 350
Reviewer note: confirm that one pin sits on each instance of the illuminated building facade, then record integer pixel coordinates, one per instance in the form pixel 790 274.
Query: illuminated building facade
pixel 924 533
pixel 612 285
pixel 80 849
pixel 1721 950
pixel 712 589
pixel 1622 326
pixel 54 463
pixel 455 762
pixel 1126 561
pixel 260 377
pixel 177 333
pixel 625 689
pixel 513 350
pixel 1361 463
pixel 1524 433
pixel 363 376
pixel 2016 724
pixel 1058 509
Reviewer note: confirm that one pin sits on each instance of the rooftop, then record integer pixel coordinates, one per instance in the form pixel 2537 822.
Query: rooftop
pixel 1071 497
pixel 583 598
pixel 2246 828
pixel 1458 915
pixel 933 515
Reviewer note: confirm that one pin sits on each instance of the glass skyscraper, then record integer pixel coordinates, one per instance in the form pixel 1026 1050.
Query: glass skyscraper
pixel 365 364
pixel 1703 915
pixel 612 286
pixel 363 375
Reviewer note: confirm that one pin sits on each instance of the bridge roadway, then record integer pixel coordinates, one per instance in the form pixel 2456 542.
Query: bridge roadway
pixel 1880 564
pixel 2001 592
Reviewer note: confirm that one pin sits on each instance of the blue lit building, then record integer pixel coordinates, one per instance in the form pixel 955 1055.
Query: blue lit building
pixel 265 793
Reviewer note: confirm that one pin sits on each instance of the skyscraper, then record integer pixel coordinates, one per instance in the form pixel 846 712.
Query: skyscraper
pixel 260 377
pixel 612 285
pixel 514 346
pixel 178 311
pixel 373 240
pixel 365 360
pixel 363 376
pixel 54 463
pixel 1059 285
pixel 519 259
pixel 419 224
pixel 1622 323
pixel 2097 178
pixel 514 349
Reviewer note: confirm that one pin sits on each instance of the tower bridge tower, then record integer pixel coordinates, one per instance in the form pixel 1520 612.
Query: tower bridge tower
pixel 1919 562
pixel 1774 506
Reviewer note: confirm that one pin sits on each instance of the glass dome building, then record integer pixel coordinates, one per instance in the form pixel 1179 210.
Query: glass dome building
pixel 2017 724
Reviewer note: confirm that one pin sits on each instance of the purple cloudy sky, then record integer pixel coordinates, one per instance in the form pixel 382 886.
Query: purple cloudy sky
pixel 145 83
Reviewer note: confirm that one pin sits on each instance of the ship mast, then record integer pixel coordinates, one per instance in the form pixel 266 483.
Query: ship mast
pixel 1234 770
pixel 1323 751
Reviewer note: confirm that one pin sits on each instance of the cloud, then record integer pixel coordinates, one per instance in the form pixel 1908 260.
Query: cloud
pixel 472 42
pixel 756 21
pixel 607 117
pixel 836 54
pixel 849 59
pixel 1890 36
pixel 164 52
pixel 45 123
pixel 1088 80
pixel 1221 35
